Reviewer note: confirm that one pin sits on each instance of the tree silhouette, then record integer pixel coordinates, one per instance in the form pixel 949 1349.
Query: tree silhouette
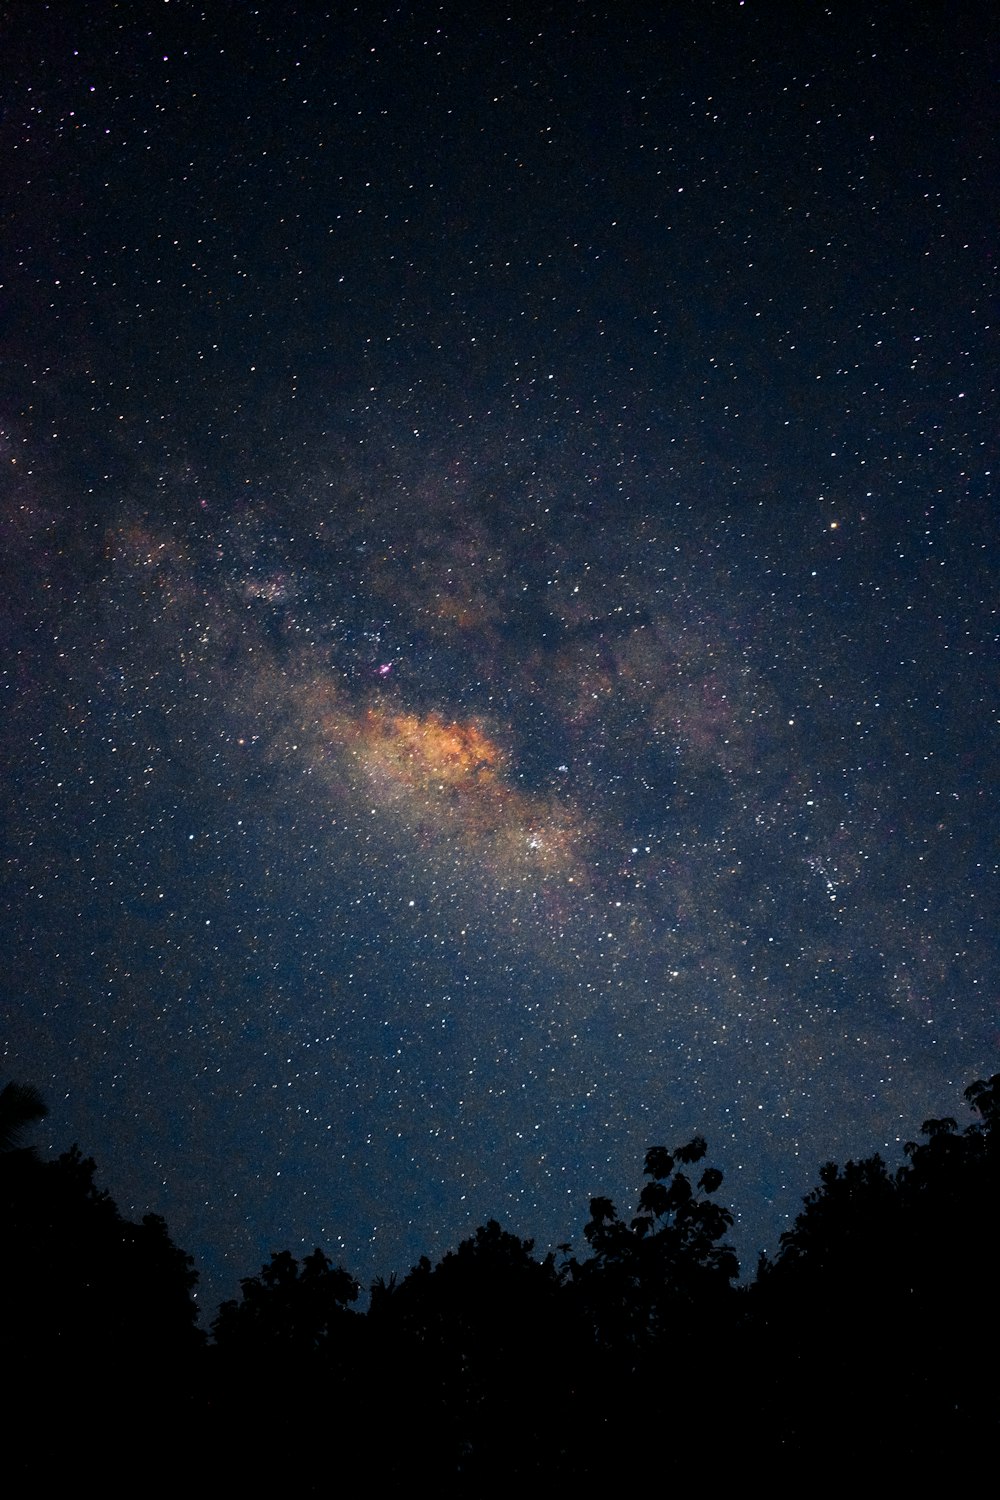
pixel 290 1338
pixel 653 1298
pixel 476 1345
pixel 289 1312
pixel 75 1272
pixel 665 1270
pixel 97 1316
pixel 883 1297
pixel 494 1367
pixel 862 1221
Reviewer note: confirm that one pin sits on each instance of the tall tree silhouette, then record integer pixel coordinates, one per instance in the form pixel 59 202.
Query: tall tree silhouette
pixel 288 1312
pixel 883 1296
pixel 667 1268
pixel 286 1359
pixel 74 1272
pixel 654 1297
pixel 477 1346
pixel 97 1314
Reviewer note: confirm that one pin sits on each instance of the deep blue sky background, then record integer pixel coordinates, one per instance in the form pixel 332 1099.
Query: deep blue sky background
pixel 499 627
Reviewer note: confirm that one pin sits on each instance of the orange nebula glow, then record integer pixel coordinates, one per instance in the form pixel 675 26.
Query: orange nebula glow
pixel 428 750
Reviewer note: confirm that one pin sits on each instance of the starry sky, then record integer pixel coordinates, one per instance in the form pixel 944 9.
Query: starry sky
pixel 498 624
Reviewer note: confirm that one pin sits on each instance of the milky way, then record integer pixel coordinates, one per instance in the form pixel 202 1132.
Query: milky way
pixel 444 761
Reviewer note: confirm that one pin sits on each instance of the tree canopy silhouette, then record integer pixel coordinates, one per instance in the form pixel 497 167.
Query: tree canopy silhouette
pixel 883 1294
pixel 97 1312
pixel 474 1343
pixel 665 1269
pixel 75 1272
pixel 496 1366
pixel 290 1311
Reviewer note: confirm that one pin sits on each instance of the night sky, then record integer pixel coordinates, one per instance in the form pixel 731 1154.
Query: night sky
pixel 498 623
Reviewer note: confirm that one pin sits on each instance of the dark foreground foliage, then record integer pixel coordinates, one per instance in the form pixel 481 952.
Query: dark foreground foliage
pixel 99 1332
pixel 880 1312
pixel 866 1349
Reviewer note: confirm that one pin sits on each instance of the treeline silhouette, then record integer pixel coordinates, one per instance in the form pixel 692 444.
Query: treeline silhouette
pixel 865 1348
